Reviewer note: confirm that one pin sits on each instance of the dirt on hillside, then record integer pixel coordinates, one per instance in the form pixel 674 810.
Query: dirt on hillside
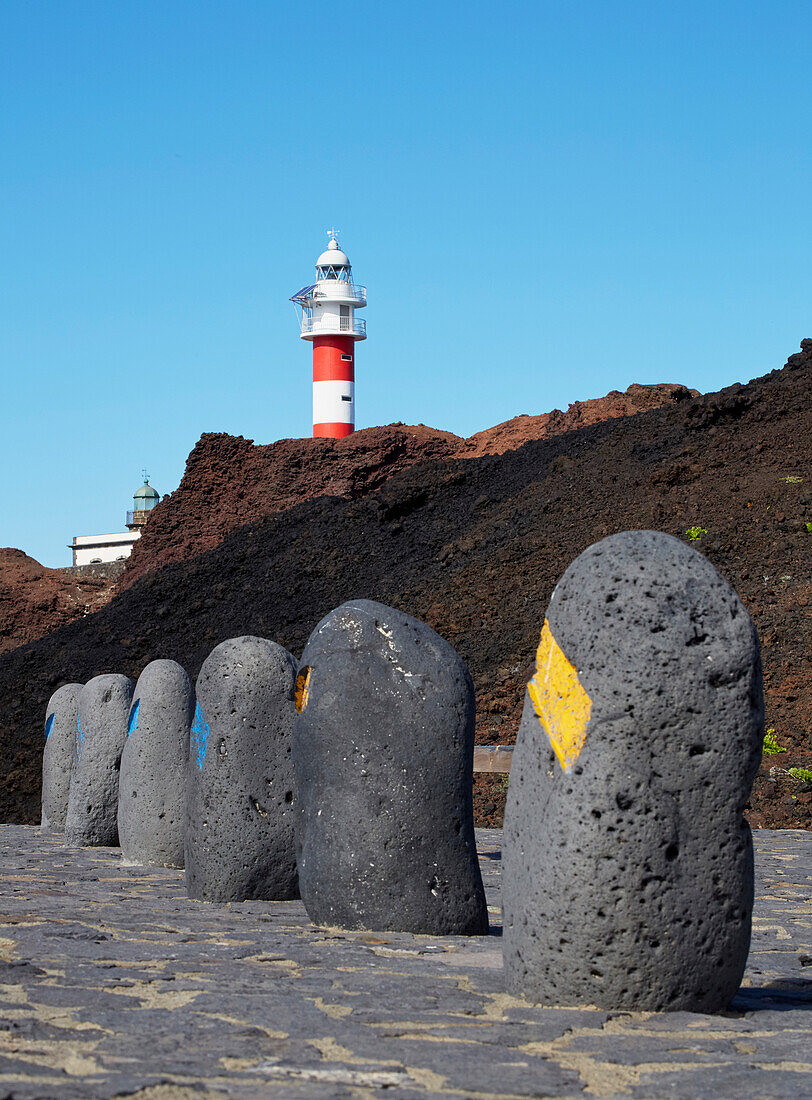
pixel 518 431
pixel 35 600
pixel 229 481
pixel 474 546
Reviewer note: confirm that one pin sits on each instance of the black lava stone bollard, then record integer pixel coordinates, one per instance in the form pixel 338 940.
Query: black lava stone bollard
pixel 628 865
pixel 101 730
pixel 152 785
pixel 239 836
pixel 57 756
pixel 383 751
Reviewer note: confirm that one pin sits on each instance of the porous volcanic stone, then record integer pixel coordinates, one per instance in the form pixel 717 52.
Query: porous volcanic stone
pixel 239 836
pixel 101 730
pixel 57 756
pixel 628 874
pixel 383 751
pixel 152 785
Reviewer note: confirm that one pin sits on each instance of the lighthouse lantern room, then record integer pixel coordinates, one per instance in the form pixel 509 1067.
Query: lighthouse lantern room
pixel 328 320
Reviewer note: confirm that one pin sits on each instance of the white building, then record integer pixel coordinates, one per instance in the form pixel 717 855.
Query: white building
pixel 98 549
pixel 95 549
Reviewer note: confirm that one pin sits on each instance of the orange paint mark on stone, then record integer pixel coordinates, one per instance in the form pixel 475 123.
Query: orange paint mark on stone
pixel 302 692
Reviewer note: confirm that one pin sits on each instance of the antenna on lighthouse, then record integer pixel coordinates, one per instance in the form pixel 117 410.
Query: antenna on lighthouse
pixel 328 320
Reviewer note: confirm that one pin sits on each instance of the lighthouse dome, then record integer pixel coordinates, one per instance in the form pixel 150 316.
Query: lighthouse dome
pixel 145 498
pixel 334 256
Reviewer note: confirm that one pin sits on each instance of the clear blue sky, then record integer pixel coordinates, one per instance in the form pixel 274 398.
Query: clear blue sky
pixel 546 201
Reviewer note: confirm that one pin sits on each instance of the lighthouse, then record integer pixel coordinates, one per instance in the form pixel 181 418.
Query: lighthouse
pixel 93 550
pixel 328 320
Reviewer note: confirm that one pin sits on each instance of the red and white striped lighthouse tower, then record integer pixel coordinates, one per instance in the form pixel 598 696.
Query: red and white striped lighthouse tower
pixel 328 320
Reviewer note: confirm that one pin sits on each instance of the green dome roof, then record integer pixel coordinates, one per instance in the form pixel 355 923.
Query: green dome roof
pixel 146 492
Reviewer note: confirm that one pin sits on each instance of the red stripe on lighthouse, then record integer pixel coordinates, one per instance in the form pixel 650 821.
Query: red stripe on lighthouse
pixel 328 366
pixel 334 372
pixel 332 431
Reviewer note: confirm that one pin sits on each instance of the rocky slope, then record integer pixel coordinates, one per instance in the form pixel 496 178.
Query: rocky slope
pixel 35 600
pixel 229 482
pixel 475 546
pixel 518 431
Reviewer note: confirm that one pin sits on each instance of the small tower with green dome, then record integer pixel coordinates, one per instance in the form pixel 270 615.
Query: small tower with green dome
pixel 94 550
pixel 144 500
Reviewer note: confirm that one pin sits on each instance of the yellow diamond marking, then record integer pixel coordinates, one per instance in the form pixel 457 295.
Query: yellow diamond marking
pixel 560 702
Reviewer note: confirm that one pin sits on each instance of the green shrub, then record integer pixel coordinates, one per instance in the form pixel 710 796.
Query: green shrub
pixel 695 533
pixel 792 480
pixel 771 746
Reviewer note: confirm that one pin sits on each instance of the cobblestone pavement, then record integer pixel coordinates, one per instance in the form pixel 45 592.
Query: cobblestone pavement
pixel 113 984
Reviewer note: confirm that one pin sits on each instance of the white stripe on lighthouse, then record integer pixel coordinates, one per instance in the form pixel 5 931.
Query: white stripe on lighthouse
pixel 334 403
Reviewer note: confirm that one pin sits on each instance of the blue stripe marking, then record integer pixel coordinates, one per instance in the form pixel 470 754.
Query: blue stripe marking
pixel 49 725
pixel 132 725
pixel 199 735
pixel 80 737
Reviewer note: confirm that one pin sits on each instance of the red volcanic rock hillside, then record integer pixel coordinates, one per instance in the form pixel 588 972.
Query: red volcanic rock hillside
pixel 230 482
pixel 35 600
pixel 514 433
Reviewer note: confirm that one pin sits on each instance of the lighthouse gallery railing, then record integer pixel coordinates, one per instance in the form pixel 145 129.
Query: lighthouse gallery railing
pixel 338 291
pixel 327 326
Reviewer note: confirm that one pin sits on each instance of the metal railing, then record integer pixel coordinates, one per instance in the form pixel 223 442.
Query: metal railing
pixel 334 290
pixel 138 517
pixel 328 326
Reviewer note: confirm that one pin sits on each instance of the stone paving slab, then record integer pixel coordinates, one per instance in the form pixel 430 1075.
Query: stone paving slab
pixel 113 983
